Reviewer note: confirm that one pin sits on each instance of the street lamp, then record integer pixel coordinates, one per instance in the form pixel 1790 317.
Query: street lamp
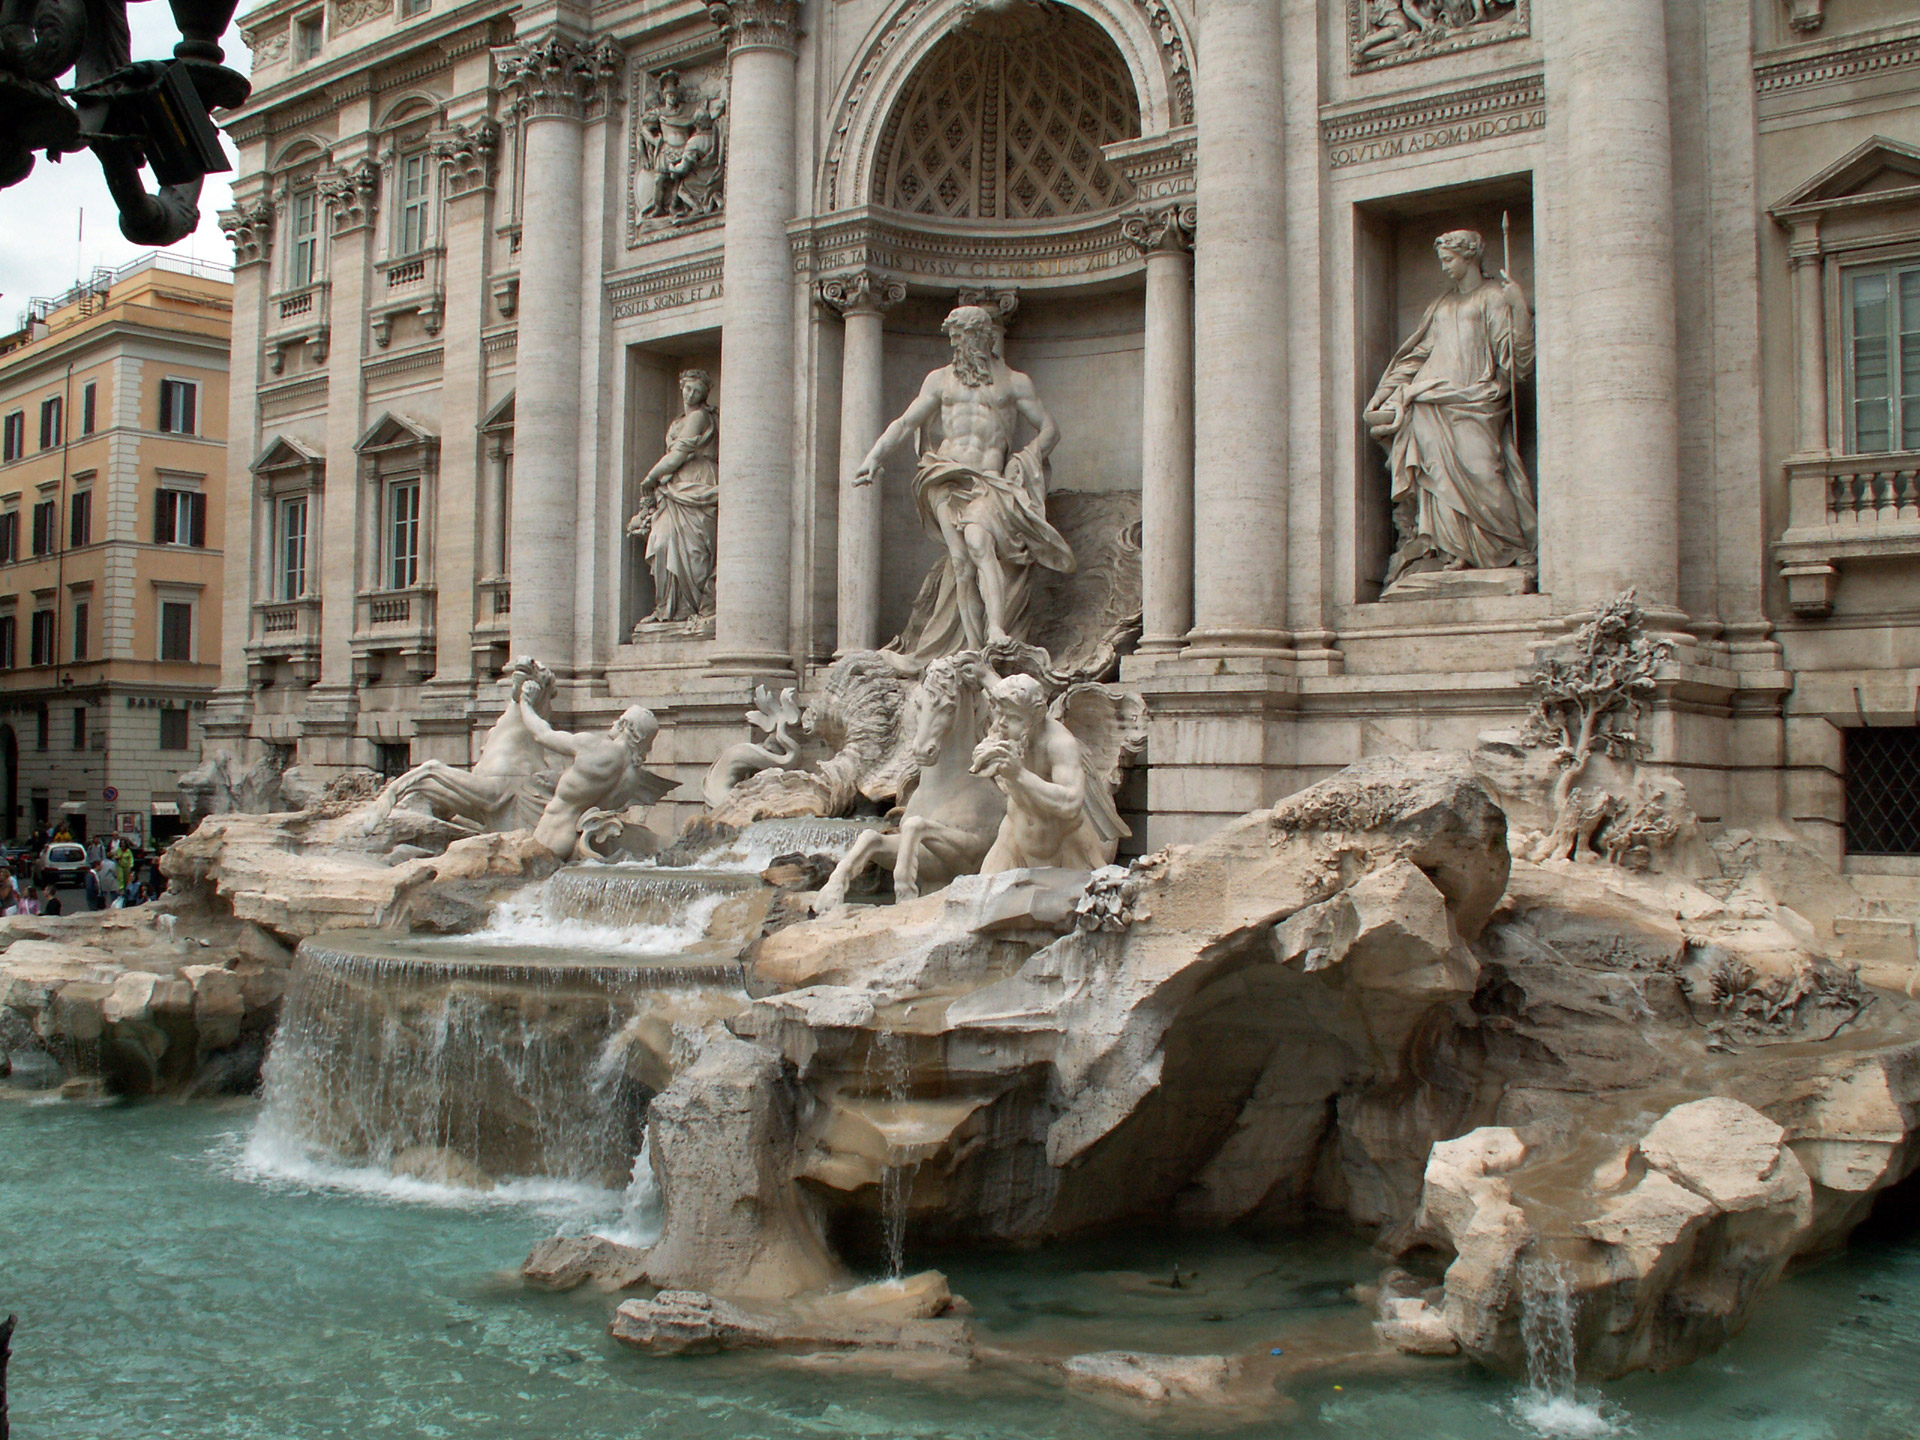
pixel 155 114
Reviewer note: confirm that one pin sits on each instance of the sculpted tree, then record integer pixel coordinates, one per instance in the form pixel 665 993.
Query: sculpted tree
pixel 1588 701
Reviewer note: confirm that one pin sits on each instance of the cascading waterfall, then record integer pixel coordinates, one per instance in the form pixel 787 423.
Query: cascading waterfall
pixel 759 844
pixel 896 1183
pixel 1549 1313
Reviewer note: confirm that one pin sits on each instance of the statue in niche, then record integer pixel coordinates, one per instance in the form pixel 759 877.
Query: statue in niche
pixel 679 136
pixel 986 501
pixel 1444 410
pixel 606 771
pixel 680 507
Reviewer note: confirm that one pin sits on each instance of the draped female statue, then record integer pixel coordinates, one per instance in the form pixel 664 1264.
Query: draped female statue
pixel 1444 410
pixel 680 507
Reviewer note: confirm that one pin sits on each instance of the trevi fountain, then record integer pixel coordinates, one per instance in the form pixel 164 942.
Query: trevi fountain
pixel 1250 955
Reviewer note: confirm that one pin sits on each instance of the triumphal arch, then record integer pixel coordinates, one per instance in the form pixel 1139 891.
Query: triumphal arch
pixel 1308 368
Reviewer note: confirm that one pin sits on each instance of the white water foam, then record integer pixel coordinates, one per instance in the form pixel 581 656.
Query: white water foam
pixel 523 920
pixel 1565 1417
pixel 263 1156
pixel 642 1210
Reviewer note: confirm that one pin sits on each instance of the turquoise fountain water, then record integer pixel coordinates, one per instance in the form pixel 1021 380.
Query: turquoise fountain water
pixel 167 1285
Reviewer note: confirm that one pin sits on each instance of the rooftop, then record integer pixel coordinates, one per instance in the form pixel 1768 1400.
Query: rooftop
pixel 86 299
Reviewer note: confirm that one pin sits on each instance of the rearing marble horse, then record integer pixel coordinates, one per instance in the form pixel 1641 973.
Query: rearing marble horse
pixel 950 815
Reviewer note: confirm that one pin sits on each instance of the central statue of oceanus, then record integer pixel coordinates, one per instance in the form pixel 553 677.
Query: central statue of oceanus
pixel 985 500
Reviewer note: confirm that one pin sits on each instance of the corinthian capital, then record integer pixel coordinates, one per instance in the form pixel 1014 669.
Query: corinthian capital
pixel 758 24
pixel 558 76
pixel 467 153
pixel 350 194
pixel 863 292
pixel 1160 229
pixel 249 225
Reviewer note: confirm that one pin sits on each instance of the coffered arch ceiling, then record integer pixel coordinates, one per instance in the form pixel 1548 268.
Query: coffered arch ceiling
pixel 1004 119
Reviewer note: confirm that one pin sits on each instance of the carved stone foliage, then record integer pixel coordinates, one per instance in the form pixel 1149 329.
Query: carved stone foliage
pixel 677 153
pixel 349 13
pixel 351 194
pixel 467 152
pixel 752 23
pixel 559 76
pixel 269 47
pixel 863 292
pixel 249 227
pixel 1392 32
pixel 1161 228
pixel 1009 124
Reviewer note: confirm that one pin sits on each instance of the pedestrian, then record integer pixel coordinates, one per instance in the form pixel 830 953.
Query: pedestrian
pixel 50 901
pixel 125 861
pixel 24 903
pixel 106 882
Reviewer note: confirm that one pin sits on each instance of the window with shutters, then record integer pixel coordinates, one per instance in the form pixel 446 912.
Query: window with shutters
pixel 9 535
pixel 303 225
pixel 179 399
pixel 89 395
pixel 291 582
pixel 80 519
pixel 45 520
pixel 80 608
pixel 9 656
pixel 13 435
pixel 179 517
pixel 50 422
pixel 40 638
pixel 176 629
pixel 403 534
pixel 79 727
pixel 173 730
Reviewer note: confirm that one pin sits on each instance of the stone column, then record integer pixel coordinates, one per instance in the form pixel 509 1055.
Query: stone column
pixel 1240 305
pixel 1164 235
pixel 755 542
pixel 249 225
pixel 1621 477
pixel 1810 322
pixel 863 298
pixel 336 553
pixel 550 82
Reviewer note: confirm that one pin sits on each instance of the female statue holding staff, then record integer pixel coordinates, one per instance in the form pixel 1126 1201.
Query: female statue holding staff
pixel 680 507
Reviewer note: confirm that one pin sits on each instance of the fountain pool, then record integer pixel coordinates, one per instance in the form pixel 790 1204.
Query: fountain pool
pixel 172 1277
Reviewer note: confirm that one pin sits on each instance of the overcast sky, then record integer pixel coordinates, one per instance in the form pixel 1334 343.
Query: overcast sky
pixel 42 247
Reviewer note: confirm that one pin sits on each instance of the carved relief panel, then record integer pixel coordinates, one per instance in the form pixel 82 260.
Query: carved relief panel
pixel 677 148
pixel 1393 32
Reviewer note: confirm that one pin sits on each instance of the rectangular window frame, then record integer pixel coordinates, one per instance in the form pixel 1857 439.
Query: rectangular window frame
pixel 81 614
pixel 13 436
pixel 1900 406
pixel 309 36
pixel 9 535
pixel 80 519
pixel 9 641
pixel 89 407
pixel 291 517
pixel 52 422
pixel 413 187
pixel 180 517
pixel 162 622
pixel 402 536
pixel 175 719
pixel 79 727
pixel 179 406
pixel 46 527
pixel 303 237
pixel 40 638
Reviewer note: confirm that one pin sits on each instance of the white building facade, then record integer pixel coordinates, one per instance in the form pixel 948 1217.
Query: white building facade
pixel 476 246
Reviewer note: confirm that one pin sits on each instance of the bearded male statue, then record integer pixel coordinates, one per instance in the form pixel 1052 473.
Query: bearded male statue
pixel 986 501
pixel 607 770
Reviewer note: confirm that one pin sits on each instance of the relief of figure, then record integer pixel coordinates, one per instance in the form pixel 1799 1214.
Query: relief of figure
pixel 1444 411
pixel 607 771
pixel 680 143
pixel 680 507
pixel 1399 27
pixel 987 502
pixel 1058 766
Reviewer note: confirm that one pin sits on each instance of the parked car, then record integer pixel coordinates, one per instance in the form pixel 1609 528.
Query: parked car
pixel 63 863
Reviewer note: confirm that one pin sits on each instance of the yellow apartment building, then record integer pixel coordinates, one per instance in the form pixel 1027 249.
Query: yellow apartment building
pixel 113 438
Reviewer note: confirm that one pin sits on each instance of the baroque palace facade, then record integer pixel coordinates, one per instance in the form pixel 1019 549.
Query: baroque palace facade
pixel 1358 479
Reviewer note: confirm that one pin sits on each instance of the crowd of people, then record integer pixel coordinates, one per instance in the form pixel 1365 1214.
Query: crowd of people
pixel 117 876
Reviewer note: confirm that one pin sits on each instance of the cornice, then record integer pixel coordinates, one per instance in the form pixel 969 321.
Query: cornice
pixel 1512 105
pixel 942 254
pixel 308 392
pixel 389 366
pixel 1836 62
pixel 690 282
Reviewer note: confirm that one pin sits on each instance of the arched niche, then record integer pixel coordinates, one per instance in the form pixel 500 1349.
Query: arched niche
pixel 1148 38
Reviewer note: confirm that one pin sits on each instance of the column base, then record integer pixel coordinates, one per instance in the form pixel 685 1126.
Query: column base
pixel 1210 642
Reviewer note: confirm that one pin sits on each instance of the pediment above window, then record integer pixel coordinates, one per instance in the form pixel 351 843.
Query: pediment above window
pixel 1878 173
pixel 394 432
